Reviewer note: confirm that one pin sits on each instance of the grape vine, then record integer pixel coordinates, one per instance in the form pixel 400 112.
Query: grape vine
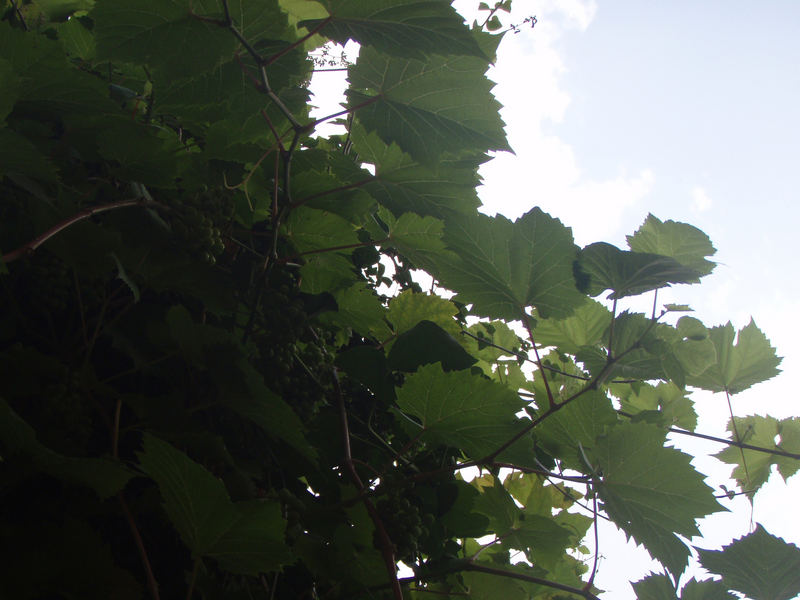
pixel 222 377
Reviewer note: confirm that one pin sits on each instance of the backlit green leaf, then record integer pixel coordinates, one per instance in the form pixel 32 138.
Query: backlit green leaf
pixel 442 105
pixel 104 475
pixel 585 327
pixel 502 267
pixel 573 431
pixel 403 185
pixel 465 411
pixel 685 243
pixel 753 468
pixel 641 501
pixel 750 361
pixel 401 27
pixel 407 309
pixel 427 343
pixel 146 33
pixel 629 273
pixel 245 537
pixel 759 565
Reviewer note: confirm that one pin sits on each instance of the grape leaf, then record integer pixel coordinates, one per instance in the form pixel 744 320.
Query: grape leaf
pixel 606 267
pixel 654 587
pixel 575 429
pixel 313 230
pixel 403 185
pixel 442 105
pixel 705 590
pixel 465 411
pixel 659 587
pixel 146 33
pixel 494 332
pixel 9 89
pixel 104 475
pixel 246 537
pixel 789 432
pixel 359 308
pixel 651 492
pixel 666 402
pixel 502 267
pixel 414 236
pixel 407 309
pixel 427 343
pixel 685 243
pixel 402 27
pixel 759 565
pixel 753 468
pixel 585 327
pixel 751 360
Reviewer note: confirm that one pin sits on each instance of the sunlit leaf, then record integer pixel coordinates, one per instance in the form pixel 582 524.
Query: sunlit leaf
pixel 502 267
pixel 465 411
pixel 738 366
pixel 681 241
pixel 641 501
pixel 441 105
pixel 625 273
pixel 401 27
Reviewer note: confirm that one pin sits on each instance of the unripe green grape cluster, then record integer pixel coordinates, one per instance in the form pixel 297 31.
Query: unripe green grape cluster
pixel 65 423
pixel 292 357
pixel 404 521
pixel 198 222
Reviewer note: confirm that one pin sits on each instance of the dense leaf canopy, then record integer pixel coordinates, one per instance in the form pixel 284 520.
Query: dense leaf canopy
pixel 221 376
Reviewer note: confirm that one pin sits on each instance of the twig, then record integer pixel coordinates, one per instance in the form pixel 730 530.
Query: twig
pixel 720 440
pixel 347 111
pixel 30 247
pixel 550 399
pixel 590 583
pixel 611 328
pixel 385 542
pixel 302 40
pixel 190 591
pixel 341 188
pixel 738 438
pixel 115 432
pixel 21 18
pixel 591 385
pixel 151 580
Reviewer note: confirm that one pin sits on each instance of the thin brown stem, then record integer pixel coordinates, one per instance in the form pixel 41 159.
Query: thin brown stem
pixel 278 137
pixel 341 188
pixel 590 582
pixel 115 431
pixel 655 303
pixel 81 310
pixel 738 438
pixel 611 329
pixel 31 246
pixel 550 398
pixel 347 111
pixel 190 591
pixel 387 547
pixel 299 42
pixel 20 16
pixel 719 440
pixel 152 584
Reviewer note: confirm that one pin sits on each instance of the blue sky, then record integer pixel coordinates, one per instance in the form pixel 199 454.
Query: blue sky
pixel 688 110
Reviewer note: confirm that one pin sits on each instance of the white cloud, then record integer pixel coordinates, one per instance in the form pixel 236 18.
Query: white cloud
pixel 544 171
pixel 701 202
